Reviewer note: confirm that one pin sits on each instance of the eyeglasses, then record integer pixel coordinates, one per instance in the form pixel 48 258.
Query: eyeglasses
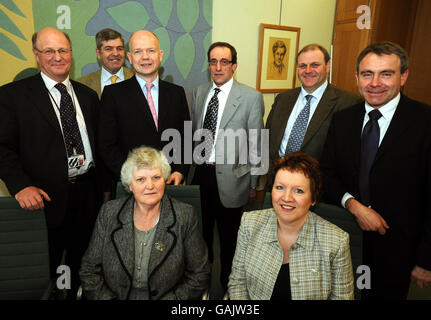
pixel 223 62
pixel 51 52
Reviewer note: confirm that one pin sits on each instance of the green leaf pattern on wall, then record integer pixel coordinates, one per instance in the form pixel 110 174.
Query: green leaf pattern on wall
pixel 184 54
pixel 131 15
pixel 163 10
pixel 188 13
pixel 182 26
pixel 165 42
pixel 6 43
pixel 12 7
pixel 206 44
pixel 10 47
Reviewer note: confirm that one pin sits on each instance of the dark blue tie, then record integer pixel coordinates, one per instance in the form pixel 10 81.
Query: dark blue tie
pixel 369 145
pixel 299 128
pixel 72 136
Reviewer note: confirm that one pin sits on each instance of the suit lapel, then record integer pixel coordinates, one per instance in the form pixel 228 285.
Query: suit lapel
pixel 283 117
pixel 323 109
pixel 165 238
pixel 400 122
pixel 97 83
pixel 355 127
pixel 85 104
pixel 123 237
pixel 200 105
pixel 164 102
pixel 232 102
pixel 38 95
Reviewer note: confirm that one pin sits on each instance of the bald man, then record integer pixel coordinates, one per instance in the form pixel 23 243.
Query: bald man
pixel 47 149
pixel 136 111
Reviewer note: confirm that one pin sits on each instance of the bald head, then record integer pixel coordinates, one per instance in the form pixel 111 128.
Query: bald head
pixel 53 52
pixel 145 55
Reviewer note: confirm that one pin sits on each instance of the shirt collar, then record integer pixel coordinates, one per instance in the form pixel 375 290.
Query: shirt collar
pixel 142 82
pixel 306 235
pixel 225 88
pixel 107 75
pixel 50 83
pixel 318 93
pixel 388 109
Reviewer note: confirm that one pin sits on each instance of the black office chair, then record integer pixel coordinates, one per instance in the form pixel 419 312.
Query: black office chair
pixel 343 219
pixel 24 257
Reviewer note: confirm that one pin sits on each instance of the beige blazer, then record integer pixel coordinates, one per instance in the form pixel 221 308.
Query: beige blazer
pixel 319 262
pixel 92 80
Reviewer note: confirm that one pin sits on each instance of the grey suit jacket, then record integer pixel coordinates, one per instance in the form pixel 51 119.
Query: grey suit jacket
pixel 244 110
pixel 92 80
pixel 178 266
pixel 333 100
pixel 319 262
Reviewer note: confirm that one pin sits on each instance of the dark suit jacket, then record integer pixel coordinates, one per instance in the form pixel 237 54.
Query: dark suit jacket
pixel 178 267
pixel 126 121
pixel 400 181
pixel 32 151
pixel 333 100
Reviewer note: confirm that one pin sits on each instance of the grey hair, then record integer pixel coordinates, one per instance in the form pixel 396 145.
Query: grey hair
pixel 140 158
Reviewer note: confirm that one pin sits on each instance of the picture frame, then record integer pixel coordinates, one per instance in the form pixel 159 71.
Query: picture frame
pixel 278 47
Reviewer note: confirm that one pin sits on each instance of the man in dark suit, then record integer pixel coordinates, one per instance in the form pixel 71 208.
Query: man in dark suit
pixel 47 149
pixel 111 55
pixel 136 111
pixel 313 63
pixel 377 159
pixel 229 175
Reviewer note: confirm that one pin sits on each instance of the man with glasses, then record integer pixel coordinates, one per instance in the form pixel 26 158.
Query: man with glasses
pixel 300 117
pixel 47 149
pixel 136 112
pixel 111 55
pixel 225 108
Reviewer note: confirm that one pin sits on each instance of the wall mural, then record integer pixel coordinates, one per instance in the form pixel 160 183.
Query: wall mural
pixel 183 26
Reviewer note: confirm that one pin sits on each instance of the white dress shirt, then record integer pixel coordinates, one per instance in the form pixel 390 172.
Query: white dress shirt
pixel 55 97
pixel 105 77
pixel 384 121
pixel 299 105
pixel 222 98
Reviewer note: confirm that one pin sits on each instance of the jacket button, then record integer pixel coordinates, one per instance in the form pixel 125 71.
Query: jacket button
pixel 154 293
pixel 295 280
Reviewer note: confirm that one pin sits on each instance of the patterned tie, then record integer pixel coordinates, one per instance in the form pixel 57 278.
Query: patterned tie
pixel 369 145
pixel 299 127
pixel 114 79
pixel 151 103
pixel 72 136
pixel 210 121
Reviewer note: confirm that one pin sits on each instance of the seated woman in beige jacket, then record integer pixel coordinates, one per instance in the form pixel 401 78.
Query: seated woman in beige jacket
pixel 288 252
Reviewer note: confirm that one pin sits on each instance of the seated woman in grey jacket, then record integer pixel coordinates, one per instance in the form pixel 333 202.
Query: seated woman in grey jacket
pixel 148 245
pixel 288 252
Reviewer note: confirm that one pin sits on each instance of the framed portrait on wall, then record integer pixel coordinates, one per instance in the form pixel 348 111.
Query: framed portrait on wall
pixel 278 48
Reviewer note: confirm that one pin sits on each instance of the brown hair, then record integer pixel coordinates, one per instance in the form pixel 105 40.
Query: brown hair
pixel 223 44
pixel 388 48
pixel 300 161
pixel 315 46
pixel 106 35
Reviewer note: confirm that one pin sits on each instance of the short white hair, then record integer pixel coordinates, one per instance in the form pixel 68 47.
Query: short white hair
pixel 140 158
